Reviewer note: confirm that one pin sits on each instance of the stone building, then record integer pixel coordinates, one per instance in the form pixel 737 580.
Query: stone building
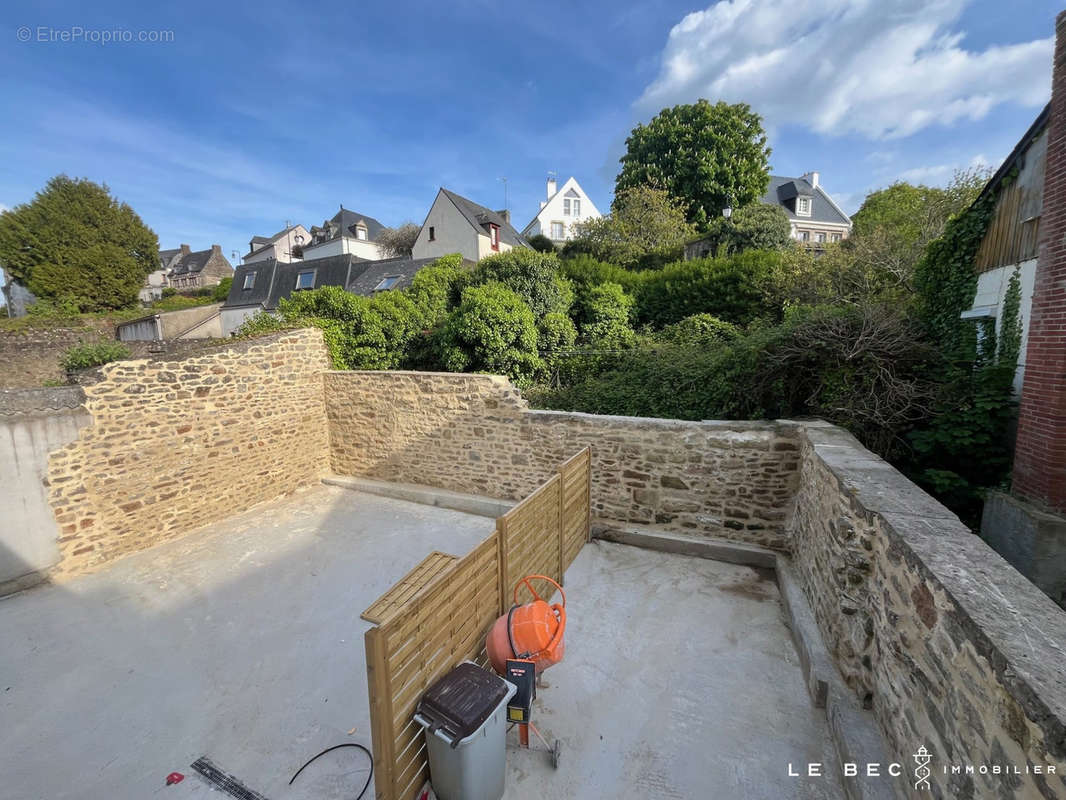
pixel 187 270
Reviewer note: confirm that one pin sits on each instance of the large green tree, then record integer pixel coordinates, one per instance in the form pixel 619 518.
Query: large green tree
pixel 78 245
pixel 704 155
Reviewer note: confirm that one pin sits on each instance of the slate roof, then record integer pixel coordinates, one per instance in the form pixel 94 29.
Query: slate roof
pixel 192 263
pixel 479 217
pixel 166 256
pixel 374 272
pixel 784 190
pixel 275 280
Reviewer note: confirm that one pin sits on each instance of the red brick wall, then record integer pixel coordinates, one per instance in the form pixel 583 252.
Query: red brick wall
pixel 1040 454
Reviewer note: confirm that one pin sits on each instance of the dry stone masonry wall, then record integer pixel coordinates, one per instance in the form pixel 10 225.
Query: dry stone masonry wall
pixel 177 444
pixel 952 648
pixel 474 433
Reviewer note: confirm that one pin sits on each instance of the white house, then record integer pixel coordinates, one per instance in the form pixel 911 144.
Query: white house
pixel 284 246
pixel 565 207
pixel 457 225
pixel 347 233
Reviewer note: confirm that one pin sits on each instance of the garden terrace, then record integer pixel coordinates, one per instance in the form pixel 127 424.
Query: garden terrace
pixel 909 630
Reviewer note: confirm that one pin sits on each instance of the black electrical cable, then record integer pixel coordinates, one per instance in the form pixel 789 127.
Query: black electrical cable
pixel 338 747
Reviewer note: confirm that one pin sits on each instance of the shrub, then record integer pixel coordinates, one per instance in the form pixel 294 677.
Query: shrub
pixel 729 288
pixel 436 288
pixel 604 316
pixel 541 243
pixel 492 330
pixel 531 275
pixel 556 334
pixel 83 356
pixel 220 292
pixel 698 329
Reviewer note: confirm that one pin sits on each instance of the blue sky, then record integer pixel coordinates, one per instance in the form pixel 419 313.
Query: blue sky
pixel 256 114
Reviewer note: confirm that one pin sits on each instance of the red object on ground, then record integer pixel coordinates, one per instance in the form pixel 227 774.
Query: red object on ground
pixel 174 777
pixel 536 629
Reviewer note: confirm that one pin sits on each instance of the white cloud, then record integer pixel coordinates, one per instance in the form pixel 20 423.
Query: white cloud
pixel 878 68
pixel 939 174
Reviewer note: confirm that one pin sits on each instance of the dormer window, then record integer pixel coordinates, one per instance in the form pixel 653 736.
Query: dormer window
pixel 566 206
pixel 360 232
pixel 803 206
pixel 494 236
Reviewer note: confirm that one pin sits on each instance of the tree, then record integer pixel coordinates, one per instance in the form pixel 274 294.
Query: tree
pixel 492 330
pixel 398 242
pixel 706 156
pixel 758 226
pixel 75 243
pixel 531 275
pixel 541 243
pixel 605 317
pixel 645 225
pixel 221 290
pixel 436 287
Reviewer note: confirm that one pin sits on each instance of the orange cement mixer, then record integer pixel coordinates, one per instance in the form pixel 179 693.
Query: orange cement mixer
pixel 533 631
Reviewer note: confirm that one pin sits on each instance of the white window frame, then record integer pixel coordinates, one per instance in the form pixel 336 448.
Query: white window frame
pixel 575 206
pixel 249 280
pixel 392 280
pixel 820 237
pixel 801 201
pixel 299 275
pixel 804 236
pixel 562 231
pixel 566 206
pixel 361 233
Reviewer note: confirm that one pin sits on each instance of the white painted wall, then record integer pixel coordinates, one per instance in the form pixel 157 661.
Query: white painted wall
pixel 233 318
pixel 553 212
pixel 991 291
pixel 344 245
pixel 281 249
pixel 453 233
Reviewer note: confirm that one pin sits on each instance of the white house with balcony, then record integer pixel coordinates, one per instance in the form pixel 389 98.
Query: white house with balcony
pixel 347 233
pixel 564 207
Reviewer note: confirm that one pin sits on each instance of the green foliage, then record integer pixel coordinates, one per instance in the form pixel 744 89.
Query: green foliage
pixel 168 291
pixel 59 308
pixel 398 242
pixel 604 317
pixel 83 356
pixel 645 229
pixel 541 243
pixel 556 334
pixel 754 227
pixel 74 243
pixel 492 330
pixel 699 329
pixel 437 287
pixel 179 302
pixel 531 275
pixel 220 292
pixel 729 288
pixel 584 271
pixel 706 156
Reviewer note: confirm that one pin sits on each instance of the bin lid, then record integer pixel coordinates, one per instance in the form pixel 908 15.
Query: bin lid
pixel 462 700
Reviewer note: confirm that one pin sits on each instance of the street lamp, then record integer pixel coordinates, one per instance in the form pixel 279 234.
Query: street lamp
pixel 727 212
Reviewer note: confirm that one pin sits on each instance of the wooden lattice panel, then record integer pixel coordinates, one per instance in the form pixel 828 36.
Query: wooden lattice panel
pixel 408 586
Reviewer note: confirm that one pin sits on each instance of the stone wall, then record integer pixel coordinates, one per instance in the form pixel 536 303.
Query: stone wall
pixel 176 444
pixel 474 433
pixel 949 645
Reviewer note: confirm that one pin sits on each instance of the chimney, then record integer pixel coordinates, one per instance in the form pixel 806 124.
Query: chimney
pixel 812 179
pixel 551 186
pixel 506 214
pixel 1040 448
pixel 216 249
pixel 184 249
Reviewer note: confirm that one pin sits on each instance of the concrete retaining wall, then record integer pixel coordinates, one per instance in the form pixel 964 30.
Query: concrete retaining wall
pixel 33 423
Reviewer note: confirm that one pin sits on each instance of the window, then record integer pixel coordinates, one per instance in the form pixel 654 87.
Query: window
pixel 566 206
pixel 819 237
pixel 387 283
pixel 494 236
pixel 432 233
pixel 576 207
pixel 805 236
pixel 305 280
pixel 835 237
pixel 557 231
pixel 360 232
pixel 249 280
pixel 803 206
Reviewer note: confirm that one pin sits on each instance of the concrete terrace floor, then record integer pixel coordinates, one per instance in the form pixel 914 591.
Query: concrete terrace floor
pixel 243 642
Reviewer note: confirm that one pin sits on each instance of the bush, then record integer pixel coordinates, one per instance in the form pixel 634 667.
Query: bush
pixel 729 288
pixel 492 330
pixel 555 335
pixel 702 329
pixel 604 316
pixel 59 307
pixel 541 243
pixel 531 275
pixel 436 288
pixel 220 292
pixel 84 356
